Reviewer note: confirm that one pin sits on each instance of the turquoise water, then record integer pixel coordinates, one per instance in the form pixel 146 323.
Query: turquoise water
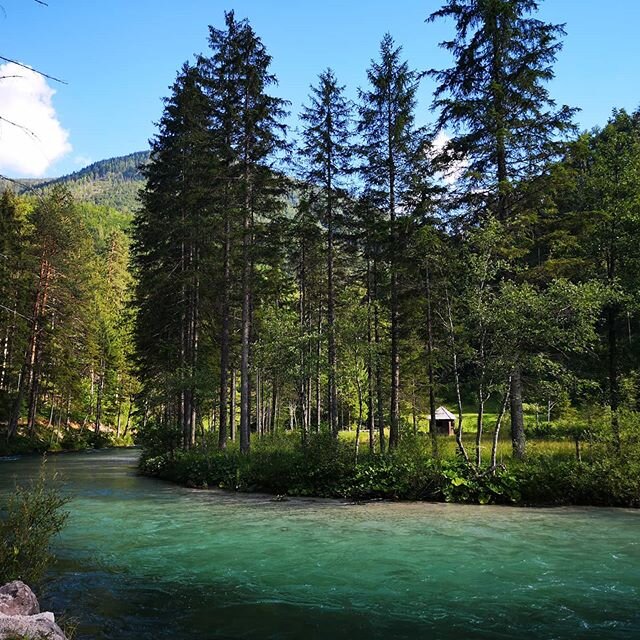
pixel 142 559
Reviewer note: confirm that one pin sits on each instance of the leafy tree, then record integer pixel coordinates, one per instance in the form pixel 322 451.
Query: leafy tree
pixel 591 235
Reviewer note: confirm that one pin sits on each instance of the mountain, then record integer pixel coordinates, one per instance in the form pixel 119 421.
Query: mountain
pixel 114 182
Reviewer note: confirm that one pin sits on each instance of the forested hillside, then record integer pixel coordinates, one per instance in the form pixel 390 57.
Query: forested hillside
pixel 113 183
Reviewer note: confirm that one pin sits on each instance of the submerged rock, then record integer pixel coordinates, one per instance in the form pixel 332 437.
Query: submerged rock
pixel 20 615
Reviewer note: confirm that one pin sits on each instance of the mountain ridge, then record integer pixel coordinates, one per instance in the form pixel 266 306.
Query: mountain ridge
pixel 113 182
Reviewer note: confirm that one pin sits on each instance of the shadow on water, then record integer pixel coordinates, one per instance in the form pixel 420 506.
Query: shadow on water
pixel 144 559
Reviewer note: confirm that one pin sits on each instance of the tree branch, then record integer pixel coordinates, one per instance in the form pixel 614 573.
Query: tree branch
pixel 41 73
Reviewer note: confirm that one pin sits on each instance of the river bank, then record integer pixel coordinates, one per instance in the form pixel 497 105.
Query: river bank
pixel 328 469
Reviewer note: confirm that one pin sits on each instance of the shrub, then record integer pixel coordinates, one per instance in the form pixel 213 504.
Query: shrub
pixel 33 516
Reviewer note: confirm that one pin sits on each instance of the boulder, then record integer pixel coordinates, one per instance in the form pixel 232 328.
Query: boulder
pixel 41 626
pixel 20 615
pixel 16 599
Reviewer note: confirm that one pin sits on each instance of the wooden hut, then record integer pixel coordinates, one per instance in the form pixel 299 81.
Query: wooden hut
pixel 445 422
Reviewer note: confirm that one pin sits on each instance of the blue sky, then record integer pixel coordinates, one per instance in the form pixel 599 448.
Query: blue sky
pixel 119 57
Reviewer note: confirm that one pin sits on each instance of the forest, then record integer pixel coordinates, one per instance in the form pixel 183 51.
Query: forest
pixel 288 310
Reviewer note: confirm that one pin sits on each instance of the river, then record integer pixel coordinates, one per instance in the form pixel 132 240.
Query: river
pixel 142 559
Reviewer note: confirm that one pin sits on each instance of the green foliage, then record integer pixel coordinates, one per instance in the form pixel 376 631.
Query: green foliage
pixel 65 318
pixel 32 517
pixel 158 438
pixel 326 468
pixel 464 483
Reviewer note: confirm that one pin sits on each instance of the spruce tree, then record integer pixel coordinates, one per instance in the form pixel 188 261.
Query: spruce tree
pixel 326 152
pixel 247 128
pixel 170 240
pixel 506 126
pixel 389 148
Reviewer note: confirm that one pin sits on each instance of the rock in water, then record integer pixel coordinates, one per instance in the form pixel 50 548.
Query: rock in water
pixel 20 615
pixel 16 599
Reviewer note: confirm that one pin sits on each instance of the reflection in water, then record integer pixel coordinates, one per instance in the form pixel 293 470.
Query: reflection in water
pixel 144 559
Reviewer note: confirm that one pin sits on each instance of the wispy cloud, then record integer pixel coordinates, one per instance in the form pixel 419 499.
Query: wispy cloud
pixel 82 161
pixel 31 136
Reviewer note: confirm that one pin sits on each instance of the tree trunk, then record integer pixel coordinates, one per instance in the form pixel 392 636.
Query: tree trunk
pixel 614 391
pixel 517 417
pixel 432 395
pixel 224 335
pixel 245 395
pixel 331 351
pixel 378 369
pixel 496 432
pixel 318 386
pixel 480 424
pixel 127 424
pixel 258 403
pixel 359 422
pixel 274 407
pixel 98 420
pixel 232 410
pixel 394 427
pixel 370 411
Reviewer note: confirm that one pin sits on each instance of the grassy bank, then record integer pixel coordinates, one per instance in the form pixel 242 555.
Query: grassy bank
pixel 551 475
pixel 72 439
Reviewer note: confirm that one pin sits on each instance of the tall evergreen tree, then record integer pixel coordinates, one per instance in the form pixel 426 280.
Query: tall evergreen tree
pixel 389 148
pixel 506 125
pixel 326 152
pixel 170 240
pixel 247 126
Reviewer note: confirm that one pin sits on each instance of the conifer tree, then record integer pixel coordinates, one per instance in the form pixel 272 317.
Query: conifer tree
pixel 326 152
pixel 248 132
pixel 506 125
pixel 170 238
pixel 389 147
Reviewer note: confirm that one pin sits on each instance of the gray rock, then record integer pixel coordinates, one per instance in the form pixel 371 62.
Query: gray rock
pixel 38 627
pixel 16 599
pixel 20 615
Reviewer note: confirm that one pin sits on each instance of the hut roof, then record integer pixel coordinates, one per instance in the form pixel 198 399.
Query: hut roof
pixel 442 413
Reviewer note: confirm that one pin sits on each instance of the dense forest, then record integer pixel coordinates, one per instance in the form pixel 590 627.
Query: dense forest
pixel 310 301
pixel 66 378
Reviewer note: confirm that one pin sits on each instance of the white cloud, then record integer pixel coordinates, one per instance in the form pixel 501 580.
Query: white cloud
pixel 455 171
pixel 28 149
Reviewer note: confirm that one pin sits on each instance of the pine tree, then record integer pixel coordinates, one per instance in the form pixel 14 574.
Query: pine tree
pixel 248 132
pixel 326 152
pixel 389 148
pixel 506 125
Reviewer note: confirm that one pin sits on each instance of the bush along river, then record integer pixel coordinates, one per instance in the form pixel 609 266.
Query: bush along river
pixel 144 559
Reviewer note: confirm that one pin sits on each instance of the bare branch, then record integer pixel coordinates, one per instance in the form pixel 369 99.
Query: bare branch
pixel 24 66
pixel 14 311
pixel 20 126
